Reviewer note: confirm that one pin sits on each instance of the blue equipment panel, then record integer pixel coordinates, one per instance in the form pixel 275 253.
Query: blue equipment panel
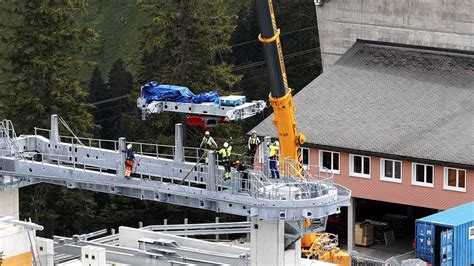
pixel 232 100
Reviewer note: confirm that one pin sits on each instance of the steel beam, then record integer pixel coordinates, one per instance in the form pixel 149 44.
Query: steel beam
pixel 178 143
pixel 54 133
pixel 158 178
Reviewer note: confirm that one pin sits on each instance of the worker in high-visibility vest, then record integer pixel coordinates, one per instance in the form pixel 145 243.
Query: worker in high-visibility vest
pixel 273 158
pixel 224 158
pixel 252 145
pixel 129 160
pixel 207 144
pixel 243 175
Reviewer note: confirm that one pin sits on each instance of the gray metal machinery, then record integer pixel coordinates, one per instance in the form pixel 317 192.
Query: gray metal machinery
pixel 225 112
pixel 276 208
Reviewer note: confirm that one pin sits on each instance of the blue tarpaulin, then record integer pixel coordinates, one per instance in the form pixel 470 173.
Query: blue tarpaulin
pixel 154 91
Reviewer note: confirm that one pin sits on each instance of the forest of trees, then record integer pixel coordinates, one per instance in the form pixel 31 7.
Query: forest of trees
pixel 58 58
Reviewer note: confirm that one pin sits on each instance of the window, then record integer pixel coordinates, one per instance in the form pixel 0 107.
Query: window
pixel 329 160
pixel 422 175
pixel 305 152
pixel 391 170
pixel 455 179
pixel 359 166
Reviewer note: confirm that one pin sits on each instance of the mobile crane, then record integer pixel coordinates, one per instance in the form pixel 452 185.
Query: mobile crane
pixel 280 94
pixel 284 115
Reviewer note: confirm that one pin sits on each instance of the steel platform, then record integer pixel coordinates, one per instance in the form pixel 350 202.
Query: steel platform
pixel 98 165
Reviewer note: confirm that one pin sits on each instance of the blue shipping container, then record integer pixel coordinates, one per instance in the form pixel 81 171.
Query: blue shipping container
pixel 447 238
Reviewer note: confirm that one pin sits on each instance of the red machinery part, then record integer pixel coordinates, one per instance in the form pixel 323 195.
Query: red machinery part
pixel 205 122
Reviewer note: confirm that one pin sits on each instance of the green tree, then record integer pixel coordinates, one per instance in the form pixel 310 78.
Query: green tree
pixel 44 47
pixel 185 42
pixel 97 91
pixel 97 87
pixel 119 83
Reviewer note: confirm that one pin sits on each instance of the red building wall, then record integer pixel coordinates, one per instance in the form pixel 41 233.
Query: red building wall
pixel 401 193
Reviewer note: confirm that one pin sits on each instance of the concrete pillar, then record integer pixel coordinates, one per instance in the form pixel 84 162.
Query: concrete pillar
pixel 266 153
pixel 351 217
pixel 93 256
pixel 121 163
pixel 211 171
pixel 45 248
pixel 9 203
pixel 293 256
pixel 267 242
pixel 178 143
pixel 54 133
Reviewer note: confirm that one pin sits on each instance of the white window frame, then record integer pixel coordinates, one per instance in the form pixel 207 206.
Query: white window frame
pixel 413 175
pixel 332 162
pixel 306 166
pixel 351 166
pixel 446 179
pixel 382 171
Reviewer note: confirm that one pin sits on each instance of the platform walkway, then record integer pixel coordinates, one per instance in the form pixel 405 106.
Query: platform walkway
pixel 163 173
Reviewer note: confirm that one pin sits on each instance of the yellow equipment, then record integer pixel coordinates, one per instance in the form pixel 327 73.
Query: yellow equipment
pixel 284 119
pixel 325 248
pixel 280 96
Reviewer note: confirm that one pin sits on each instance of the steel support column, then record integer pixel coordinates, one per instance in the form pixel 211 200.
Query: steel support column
pixel 121 162
pixel 178 143
pixel 212 176
pixel 351 216
pixel 54 133
pixel 266 154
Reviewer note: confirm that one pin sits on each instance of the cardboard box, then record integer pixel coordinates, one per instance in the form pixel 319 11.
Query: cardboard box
pixel 364 234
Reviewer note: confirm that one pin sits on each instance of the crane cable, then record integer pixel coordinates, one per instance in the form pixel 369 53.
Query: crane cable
pixel 69 129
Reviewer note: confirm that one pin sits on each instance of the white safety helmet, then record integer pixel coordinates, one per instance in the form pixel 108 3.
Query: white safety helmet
pixel 226 145
pixel 254 132
pixel 207 133
pixel 277 143
pixel 129 146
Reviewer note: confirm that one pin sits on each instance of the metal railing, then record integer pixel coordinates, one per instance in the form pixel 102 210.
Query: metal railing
pixel 191 154
pixel 358 259
pixel 202 228
pixel 293 185
pixel 399 259
pixel 258 185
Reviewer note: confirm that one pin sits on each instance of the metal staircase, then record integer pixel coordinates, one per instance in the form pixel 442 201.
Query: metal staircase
pixel 8 139
pixel 98 165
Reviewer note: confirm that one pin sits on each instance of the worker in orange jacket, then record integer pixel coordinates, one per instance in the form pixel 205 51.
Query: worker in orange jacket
pixel 129 160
